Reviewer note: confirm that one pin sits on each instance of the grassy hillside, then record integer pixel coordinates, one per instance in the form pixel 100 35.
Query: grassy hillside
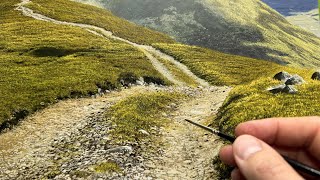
pixel 219 68
pixel 250 102
pixel 66 10
pixel 248 27
pixel 41 62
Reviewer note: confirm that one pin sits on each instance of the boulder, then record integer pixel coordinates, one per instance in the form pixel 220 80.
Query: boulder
pixel 295 80
pixel 290 90
pixel 282 76
pixel 283 89
pixel 277 89
pixel 316 76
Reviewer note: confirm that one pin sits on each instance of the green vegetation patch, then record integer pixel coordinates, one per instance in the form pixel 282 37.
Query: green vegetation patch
pixel 107 167
pixel 140 112
pixel 42 62
pixel 178 73
pixel 253 101
pixel 220 68
pixel 70 11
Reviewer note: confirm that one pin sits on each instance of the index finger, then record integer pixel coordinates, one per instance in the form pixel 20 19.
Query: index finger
pixel 301 132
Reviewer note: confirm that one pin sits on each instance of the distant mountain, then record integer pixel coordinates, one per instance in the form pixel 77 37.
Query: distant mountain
pixel 308 20
pixel 246 27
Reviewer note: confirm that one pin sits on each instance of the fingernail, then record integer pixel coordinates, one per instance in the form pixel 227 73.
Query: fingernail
pixel 245 146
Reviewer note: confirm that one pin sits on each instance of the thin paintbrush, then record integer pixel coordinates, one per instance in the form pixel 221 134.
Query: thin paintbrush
pixel 296 165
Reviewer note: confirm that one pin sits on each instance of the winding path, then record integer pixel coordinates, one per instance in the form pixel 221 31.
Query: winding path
pixel 150 52
pixel 74 134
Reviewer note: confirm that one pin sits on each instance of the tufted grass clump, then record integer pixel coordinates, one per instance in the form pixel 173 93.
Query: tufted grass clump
pixel 141 112
pixel 107 167
pixel 223 170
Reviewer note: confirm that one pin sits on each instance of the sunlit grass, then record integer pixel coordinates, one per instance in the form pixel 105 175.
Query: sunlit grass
pixel 70 11
pixel 178 73
pixel 41 62
pixel 141 112
pixel 253 101
pixel 220 68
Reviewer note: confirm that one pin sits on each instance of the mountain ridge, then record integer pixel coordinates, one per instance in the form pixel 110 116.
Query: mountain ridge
pixel 248 28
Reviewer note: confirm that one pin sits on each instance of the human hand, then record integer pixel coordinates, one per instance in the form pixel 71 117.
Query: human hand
pixel 255 152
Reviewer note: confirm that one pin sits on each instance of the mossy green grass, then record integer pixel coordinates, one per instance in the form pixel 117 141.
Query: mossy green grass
pixel 141 112
pixel 253 101
pixel 107 167
pixel 220 68
pixel 70 11
pixel 42 62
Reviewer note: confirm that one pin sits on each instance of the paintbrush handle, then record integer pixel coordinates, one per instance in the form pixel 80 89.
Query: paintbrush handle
pixel 226 137
pixel 302 167
pixel 295 164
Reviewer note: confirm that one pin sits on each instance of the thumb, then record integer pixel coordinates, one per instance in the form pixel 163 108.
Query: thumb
pixel 257 160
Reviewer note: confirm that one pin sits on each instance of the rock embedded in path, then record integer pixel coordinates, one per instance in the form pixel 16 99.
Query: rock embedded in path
pixel 295 80
pixel 316 76
pixel 121 149
pixel 282 76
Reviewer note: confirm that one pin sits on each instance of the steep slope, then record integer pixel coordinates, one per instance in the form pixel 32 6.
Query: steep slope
pixel 249 27
pixel 42 62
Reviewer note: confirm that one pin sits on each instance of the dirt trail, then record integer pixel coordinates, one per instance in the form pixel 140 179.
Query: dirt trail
pixel 190 150
pixel 149 51
pixel 35 134
pixel 72 135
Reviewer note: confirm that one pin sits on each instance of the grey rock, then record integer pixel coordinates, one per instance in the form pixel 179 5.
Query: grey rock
pixel 282 76
pixel 144 132
pixel 100 91
pixel 316 76
pixel 140 83
pixel 283 89
pixel 121 149
pixel 277 89
pixel 290 90
pixel 295 80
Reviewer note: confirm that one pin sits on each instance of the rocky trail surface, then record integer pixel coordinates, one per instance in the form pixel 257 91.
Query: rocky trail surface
pixel 188 151
pixel 67 139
